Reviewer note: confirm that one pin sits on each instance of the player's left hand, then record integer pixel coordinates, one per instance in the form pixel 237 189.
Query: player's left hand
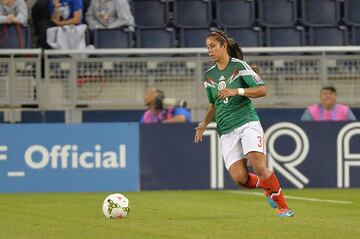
pixel 222 94
pixel 199 131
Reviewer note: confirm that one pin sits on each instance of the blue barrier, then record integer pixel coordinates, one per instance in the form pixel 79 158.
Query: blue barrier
pixel 268 114
pixel 108 156
pixel 101 116
pixel 303 154
pixel 53 116
pixel 170 160
pixel 112 115
pixel 60 157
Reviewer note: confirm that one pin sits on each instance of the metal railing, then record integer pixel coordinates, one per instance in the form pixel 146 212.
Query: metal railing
pixel 117 78
pixel 19 76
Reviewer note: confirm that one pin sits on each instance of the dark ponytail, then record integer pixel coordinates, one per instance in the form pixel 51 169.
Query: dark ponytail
pixel 236 52
pixel 234 49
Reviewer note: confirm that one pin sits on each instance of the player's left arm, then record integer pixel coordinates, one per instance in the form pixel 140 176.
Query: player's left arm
pixel 255 92
pixel 256 89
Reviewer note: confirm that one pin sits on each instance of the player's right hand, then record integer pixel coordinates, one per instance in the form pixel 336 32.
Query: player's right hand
pixel 199 131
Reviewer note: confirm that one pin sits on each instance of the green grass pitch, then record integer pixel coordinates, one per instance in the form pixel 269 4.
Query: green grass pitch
pixel 180 214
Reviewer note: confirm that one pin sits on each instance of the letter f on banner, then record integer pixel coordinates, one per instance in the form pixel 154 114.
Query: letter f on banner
pixel 286 164
pixel 346 159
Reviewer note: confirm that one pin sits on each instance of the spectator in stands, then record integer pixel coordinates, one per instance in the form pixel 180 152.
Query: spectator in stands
pixel 109 14
pixel 160 112
pixel 51 13
pixel 41 21
pixel 66 12
pixel 13 12
pixel 327 109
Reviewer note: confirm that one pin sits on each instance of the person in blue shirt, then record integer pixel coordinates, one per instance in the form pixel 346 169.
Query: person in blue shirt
pixel 66 12
pixel 159 112
pixel 51 13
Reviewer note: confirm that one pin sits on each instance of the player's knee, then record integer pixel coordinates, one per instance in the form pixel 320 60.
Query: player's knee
pixel 240 179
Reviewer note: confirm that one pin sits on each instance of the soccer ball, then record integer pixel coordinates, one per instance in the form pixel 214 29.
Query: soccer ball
pixel 115 206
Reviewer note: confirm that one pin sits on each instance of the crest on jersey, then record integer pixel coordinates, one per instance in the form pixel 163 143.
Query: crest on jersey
pixel 222 85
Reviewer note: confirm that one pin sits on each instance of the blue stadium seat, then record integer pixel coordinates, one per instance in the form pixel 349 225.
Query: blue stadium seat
pixel 277 13
pixel 112 38
pixel 328 36
pixel 320 12
pixel 192 13
pixel 355 32
pixel 285 36
pixel 247 37
pixel 352 10
pixel 193 37
pixel 12 36
pixel 235 13
pixel 151 13
pixel 155 37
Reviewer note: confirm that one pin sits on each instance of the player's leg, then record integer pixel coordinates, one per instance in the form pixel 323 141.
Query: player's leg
pixel 234 160
pixel 240 175
pixel 254 149
pixel 234 157
pixel 239 172
pixel 269 182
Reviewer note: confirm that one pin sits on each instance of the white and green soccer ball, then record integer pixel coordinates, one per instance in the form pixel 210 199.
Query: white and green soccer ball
pixel 115 206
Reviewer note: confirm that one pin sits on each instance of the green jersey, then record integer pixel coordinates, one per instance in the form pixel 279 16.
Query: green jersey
pixel 235 111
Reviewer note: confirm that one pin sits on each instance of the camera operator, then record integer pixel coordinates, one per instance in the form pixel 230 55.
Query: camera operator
pixel 162 109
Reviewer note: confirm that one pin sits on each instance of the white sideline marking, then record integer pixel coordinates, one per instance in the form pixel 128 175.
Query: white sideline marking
pixel 16 174
pixel 297 198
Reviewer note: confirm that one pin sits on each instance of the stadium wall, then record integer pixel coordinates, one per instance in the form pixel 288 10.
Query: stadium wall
pixel 316 155
pixel 69 157
pixel 101 116
pixel 130 157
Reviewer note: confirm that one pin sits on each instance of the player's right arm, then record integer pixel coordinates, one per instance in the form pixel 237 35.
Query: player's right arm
pixel 199 131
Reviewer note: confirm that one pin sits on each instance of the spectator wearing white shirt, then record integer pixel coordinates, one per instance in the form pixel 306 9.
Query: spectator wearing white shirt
pixel 13 12
pixel 108 14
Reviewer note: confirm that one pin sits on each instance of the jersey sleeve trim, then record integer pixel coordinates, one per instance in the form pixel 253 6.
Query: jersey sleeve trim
pixel 210 69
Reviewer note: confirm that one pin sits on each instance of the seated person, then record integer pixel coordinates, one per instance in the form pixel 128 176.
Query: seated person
pixel 108 14
pixel 158 112
pixel 13 12
pixel 40 17
pixel 51 13
pixel 66 12
pixel 327 109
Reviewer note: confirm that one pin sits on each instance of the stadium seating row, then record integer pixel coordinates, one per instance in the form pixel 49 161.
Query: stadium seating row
pixel 251 22
pixel 186 23
pixel 244 13
pixel 194 37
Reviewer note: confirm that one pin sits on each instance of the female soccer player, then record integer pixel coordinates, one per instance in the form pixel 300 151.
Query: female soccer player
pixel 229 85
